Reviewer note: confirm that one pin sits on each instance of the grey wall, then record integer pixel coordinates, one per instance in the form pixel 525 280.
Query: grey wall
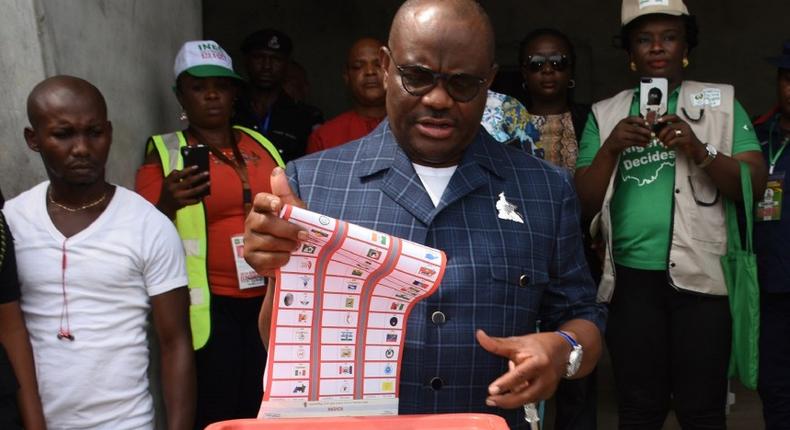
pixel 735 36
pixel 21 66
pixel 124 47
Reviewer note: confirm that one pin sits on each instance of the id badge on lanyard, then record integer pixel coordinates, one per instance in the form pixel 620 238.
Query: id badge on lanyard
pixel 247 276
pixel 770 207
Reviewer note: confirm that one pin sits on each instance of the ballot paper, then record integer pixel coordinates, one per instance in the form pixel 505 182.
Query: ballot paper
pixel 339 319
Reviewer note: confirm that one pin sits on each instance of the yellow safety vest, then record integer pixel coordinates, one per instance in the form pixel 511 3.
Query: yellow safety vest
pixel 191 225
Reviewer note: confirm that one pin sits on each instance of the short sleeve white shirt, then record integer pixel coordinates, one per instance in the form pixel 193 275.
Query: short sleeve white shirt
pixel 110 270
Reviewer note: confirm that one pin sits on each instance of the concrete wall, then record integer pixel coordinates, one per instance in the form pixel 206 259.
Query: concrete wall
pixel 21 66
pixel 735 36
pixel 126 48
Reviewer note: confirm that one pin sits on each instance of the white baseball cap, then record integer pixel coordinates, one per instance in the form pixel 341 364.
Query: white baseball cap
pixel 633 9
pixel 204 59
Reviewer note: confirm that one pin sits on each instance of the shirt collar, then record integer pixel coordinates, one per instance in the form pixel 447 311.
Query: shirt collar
pixel 380 152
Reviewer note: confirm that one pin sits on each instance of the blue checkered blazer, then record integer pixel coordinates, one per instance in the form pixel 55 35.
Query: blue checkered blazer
pixel 372 183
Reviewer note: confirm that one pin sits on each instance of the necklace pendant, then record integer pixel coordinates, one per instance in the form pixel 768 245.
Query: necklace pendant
pixel 65 335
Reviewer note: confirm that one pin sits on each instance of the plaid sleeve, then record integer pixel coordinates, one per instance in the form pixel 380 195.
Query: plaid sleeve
pixel 571 293
pixel 293 180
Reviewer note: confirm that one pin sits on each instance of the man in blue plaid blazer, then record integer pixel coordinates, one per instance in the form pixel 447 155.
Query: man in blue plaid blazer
pixel 507 221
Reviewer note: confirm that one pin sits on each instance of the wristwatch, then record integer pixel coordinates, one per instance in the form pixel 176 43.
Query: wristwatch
pixel 712 153
pixel 575 357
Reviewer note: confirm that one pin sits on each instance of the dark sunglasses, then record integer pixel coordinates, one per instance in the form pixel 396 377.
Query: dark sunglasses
pixel 557 62
pixel 418 81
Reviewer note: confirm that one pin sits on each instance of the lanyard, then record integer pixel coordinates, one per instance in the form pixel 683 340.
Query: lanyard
pixel 266 123
pixel 772 159
pixel 238 164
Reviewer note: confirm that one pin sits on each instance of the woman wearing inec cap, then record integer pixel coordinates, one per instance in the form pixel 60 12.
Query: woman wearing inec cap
pixel 771 235
pixel 209 208
pixel 661 216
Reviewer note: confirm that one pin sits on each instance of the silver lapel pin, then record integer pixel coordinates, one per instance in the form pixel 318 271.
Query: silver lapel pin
pixel 507 210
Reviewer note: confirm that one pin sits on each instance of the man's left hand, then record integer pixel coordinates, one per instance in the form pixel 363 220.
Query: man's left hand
pixel 540 361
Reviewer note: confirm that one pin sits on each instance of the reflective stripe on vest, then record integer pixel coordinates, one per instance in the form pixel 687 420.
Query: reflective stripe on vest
pixel 191 225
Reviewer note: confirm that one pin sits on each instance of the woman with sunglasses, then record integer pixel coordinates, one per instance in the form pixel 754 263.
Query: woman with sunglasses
pixel 659 191
pixel 547 59
pixel 209 208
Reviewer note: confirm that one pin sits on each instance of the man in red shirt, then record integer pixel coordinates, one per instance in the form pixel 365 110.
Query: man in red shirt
pixel 363 76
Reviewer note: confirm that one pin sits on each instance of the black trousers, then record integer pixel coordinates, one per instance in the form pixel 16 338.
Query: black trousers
pixel 230 366
pixel 774 376
pixel 669 348
pixel 577 403
pixel 9 387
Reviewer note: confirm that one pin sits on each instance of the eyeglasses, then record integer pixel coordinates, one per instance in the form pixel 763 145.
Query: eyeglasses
pixel 418 81
pixel 557 62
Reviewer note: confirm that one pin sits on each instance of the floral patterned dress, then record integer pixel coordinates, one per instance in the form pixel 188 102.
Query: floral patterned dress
pixel 556 142
pixel 550 137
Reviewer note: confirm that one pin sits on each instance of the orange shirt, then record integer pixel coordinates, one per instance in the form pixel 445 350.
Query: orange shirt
pixel 341 129
pixel 224 209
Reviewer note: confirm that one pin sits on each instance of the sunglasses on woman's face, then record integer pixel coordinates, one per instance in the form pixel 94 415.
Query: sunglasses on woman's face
pixel 557 62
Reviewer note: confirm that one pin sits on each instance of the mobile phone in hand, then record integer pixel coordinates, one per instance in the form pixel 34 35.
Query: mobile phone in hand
pixel 653 96
pixel 196 155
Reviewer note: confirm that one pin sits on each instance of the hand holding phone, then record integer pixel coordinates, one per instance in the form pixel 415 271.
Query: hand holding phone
pixel 197 155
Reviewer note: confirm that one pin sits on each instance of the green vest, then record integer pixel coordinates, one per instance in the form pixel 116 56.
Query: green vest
pixel 191 225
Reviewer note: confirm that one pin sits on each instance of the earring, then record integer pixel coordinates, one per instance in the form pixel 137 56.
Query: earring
pixel 524 87
pixel 571 84
pixel 633 66
pixel 182 116
pixel 685 62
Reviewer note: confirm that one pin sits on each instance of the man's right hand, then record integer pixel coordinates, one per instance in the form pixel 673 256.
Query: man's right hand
pixel 182 188
pixel 630 131
pixel 269 239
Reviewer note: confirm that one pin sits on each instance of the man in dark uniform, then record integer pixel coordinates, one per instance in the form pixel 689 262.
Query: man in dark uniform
pixel 771 232
pixel 264 106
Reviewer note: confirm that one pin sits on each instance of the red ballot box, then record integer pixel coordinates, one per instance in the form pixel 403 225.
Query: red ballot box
pixel 400 422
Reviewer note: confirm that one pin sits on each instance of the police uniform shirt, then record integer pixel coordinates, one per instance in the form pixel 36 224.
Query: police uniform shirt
pixel 288 124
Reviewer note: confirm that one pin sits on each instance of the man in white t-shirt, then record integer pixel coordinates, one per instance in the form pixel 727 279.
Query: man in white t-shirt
pixel 93 260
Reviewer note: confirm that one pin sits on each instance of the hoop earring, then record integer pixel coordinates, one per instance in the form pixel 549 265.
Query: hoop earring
pixel 183 116
pixel 633 66
pixel 685 62
pixel 571 84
